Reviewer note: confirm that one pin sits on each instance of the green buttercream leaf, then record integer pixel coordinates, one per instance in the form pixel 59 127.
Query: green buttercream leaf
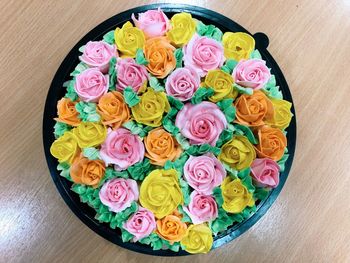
pixel 139 170
pixel 185 191
pixel 197 150
pixel 209 31
pixel 109 37
pixel 261 193
pixel 222 222
pixel 182 141
pixel 78 188
pixel 71 93
pixel 185 218
pixel 79 68
pixel 118 219
pixel 126 236
pixel 243 90
pixel 282 162
pixel 271 88
pixel 169 125
pixel 91 153
pixel 82 48
pixel 224 137
pixel 104 217
pixel 176 103
pixel 140 57
pixel 137 128
pixel 202 94
pixel 229 65
pixel 65 170
pixel 174 247
pixel 217 194
pixel 130 97
pixel 155 84
pixel 233 173
pixel 178 53
pixel 112 74
pixel 246 179
pixel 178 164
pixel 272 82
pixel 60 128
pixel 247 132
pixel 255 54
pixel 227 107
pixel 87 111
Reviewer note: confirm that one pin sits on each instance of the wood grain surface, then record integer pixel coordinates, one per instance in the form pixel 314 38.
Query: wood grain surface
pixel 309 222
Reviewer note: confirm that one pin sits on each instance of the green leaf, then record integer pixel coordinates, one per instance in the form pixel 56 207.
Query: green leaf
pixel 244 173
pixel 272 82
pixel 217 194
pixel 131 97
pixel 91 153
pixel 79 69
pixel 246 131
pixel 140 57
pixel 282 162
pixel 243 90
pixel 229 65
pixel 255 54
pixel 60 128
pixel 126 236
pixel 185 189
pixel 197 150
pixel 154 83
pixel 185 218
pixel 227 107
pixel 137 128
pixel 202 94
pixel 78 188
pixel 81 49
pixel 64 168
pixel 104 217
pixel 87 111
pixel 71 93
pixel 178 164
pixel 175 103
pixel 112 74
pixel 261 193
pixel 169 125
pixel 178 53
pixel 139 170
pixel 225 136
pixel 209 31
pixel 175 247
pixel 246 179
pixel 109 37
pixel 222 222
pixel 182 141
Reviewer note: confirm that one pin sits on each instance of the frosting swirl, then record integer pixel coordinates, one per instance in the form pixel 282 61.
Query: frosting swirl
pixel 141 224
pixel 183 27
pixel 222 84
pixel 272 143
pixel 265 172
pixel 237 45
pixel 67 112
pixel 90 134
pixel 65 148
pixel 171 228
pixel 198 239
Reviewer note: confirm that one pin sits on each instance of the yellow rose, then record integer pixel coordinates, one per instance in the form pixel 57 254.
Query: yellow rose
pixel 128 39
pixel 198 239
pixel 222 83
pixel 65 148
pixel 90 134
pixel 236 196
pixel 160 192
pixel 237 46
pixel 183 26
pixel 150 109
pixel 238 153
pixel 282 114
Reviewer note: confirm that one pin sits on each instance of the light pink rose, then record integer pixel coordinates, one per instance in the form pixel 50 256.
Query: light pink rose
pixel 97 54
pixel 182 83
pixel 122 148
pixel 203 173
pixel 203 54
pixel 154 23
pixel 201 123
pixel 119 193
pixel 202 208
pixel 130 74
pixel 141 224
pixel 91 85
pixel 251 73
pixel 265 172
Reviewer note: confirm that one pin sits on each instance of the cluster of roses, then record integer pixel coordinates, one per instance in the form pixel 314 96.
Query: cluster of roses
pixel 159 194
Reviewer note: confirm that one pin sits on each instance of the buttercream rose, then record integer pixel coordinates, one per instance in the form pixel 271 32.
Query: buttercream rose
pixel 131 74
pixel 65 148
pixel 183 27
pixel 97 54
pixel 154 23
pixel 272 143
pixel 282 114
pixel 203 54
pixel 238 45
pixel 113 109
pixel 171 228
pixel 119 193
pixel 238 153
pixel 236 196
pixel 251 73
pixel 222 84
pixel 90 134
pixel 122 148
pixel 161 147
pixel 128 39
pixel 201 123
pixel 150 109
pixel 265 172
pixel 91 84
pixel 182 83
pixel 141 224
pixel 198 239
pixel 253 110
pixel 160 55
pixel 203 173
pixel 202 208
pixel 160 192
pixel 67 112
pixel 88 172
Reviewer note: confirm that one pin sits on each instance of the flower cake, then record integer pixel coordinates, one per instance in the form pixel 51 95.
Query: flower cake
pixel 171 130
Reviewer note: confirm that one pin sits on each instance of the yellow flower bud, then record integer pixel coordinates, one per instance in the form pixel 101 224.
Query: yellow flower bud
pixel 90 134
pixel 128 39
pixel 237 46
pixel 65 148
pixel 282 114
pixel 183 28
pixel 198 239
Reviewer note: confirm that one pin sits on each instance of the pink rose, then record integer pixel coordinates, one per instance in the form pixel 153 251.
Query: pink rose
pixel 202 208
pixel 265 172
pixel 130 74
pixel 119 193
pixel 203 173
pixel 97 54
pixel 154 23
pixel 141 224
pixel 203 54
pixel 122 148
pixel 182 83
pixel 251 73
pixel 201 123
pixel 91 85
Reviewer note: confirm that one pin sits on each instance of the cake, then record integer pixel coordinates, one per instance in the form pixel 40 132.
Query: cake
pixel 171 130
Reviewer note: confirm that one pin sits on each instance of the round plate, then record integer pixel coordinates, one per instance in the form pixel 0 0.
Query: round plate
pixel 56 92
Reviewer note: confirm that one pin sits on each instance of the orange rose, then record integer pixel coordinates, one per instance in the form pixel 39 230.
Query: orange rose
pixel 113 109
pixel 67 113
pixel 161 146
pixel 160 55
pixel 171 228
pixel 252 110
pixel 88 172
pixel 272 143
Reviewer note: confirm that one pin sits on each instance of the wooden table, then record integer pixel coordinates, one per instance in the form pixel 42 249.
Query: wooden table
pixel 309 222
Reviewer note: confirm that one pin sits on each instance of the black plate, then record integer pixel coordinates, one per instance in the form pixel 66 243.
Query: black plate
pixel 83 211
